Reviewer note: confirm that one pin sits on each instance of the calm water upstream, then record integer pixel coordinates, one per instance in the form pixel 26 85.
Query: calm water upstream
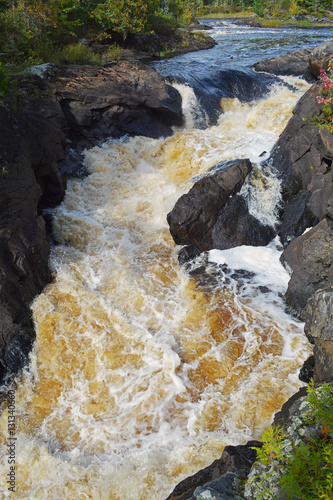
pixel 139 376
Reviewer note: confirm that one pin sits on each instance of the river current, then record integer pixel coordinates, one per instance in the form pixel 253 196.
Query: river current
pixel 143 370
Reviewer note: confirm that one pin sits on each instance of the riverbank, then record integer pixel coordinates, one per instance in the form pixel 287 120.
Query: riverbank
pixel 251 19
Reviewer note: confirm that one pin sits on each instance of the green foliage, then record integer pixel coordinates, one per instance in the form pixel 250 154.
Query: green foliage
pixel 306 467
pixel 125 16
pixel 76 53
pixel 4 81
pixel 272 445
pixel 163 24
pixel 79 53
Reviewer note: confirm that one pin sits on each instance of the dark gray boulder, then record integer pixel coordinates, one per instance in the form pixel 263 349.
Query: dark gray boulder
pixel 302 157
pixel 196 212
pixel 213 215
pixel 319 330
pixel 294 63
pixel 221 479
pixel 310 258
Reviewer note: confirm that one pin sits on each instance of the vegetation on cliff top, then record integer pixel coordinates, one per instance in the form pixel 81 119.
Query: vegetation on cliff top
pixel 37 31
pixel 298 464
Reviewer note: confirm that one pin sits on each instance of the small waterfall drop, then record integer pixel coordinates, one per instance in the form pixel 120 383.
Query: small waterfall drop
pixel 195 115
pixel 140 376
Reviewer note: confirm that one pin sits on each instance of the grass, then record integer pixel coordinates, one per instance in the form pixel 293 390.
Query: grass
pixel 79 53
pixel 229 15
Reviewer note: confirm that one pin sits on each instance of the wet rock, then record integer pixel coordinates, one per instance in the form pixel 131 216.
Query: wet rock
pixel 306 372
pixel 235 226
pixel 30 149
pixel 291 409
pixel 302 157
pixel 320 57
pixel 58 105
pixel 294 63
pixel 213 215
pixel 122 98
pixel 196 212
pixel 319 330
pixel 310 258
pixel 220 479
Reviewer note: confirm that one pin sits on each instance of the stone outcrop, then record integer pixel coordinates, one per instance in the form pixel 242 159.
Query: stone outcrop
pixel 310 257
pixel 70 105
pixel 320 57
pixel 319 330
pixel 294 63
pixel 302 62
pixel 221 479
pixel 303 159
pixel 213 215
pixel 30 148
pixel 120 98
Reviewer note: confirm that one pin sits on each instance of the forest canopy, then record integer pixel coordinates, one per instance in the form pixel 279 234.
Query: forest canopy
pixel 30 30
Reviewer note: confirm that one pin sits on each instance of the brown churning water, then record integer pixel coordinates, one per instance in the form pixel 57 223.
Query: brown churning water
pixel 139 376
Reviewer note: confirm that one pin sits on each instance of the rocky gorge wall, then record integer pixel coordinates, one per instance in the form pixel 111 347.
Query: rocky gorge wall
pixel 67 109
pixel 302 159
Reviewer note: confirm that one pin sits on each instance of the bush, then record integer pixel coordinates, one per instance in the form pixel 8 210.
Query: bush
pixel 79 53
pixel 300 463
pixel 163 24
pixel 4 81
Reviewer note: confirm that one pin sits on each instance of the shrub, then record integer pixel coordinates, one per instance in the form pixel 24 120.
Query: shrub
pixel 4 81
pixel 302 466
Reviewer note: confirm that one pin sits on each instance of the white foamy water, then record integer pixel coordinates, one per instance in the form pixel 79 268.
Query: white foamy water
pixel 139 376
pixel 195 116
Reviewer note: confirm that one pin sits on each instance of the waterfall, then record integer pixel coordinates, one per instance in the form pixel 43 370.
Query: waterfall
pixel 140 376
pixel 195 115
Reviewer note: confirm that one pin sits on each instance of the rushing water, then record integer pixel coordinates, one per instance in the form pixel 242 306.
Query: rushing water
pixel 143 371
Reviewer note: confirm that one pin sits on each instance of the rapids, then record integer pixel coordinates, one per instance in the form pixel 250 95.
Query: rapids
pixel 141 373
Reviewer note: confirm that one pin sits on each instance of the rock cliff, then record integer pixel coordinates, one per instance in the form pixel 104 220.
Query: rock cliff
pixel 74 107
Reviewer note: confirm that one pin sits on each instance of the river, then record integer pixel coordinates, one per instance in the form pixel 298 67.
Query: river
pixel 142 372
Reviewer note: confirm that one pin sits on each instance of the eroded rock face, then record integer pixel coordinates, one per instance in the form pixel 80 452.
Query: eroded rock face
pixel 320 57
pixel 30 149
pixel 122 98
pixel 310 257
pixel 213 215
pixel 294 63
pixel 319 330
pixel 221 479
pixel 303 159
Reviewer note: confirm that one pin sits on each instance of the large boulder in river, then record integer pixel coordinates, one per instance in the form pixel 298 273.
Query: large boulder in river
pixel 302 62
pixel 310 258
pixel 294 63
pixel 302 158
pixel 213 215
